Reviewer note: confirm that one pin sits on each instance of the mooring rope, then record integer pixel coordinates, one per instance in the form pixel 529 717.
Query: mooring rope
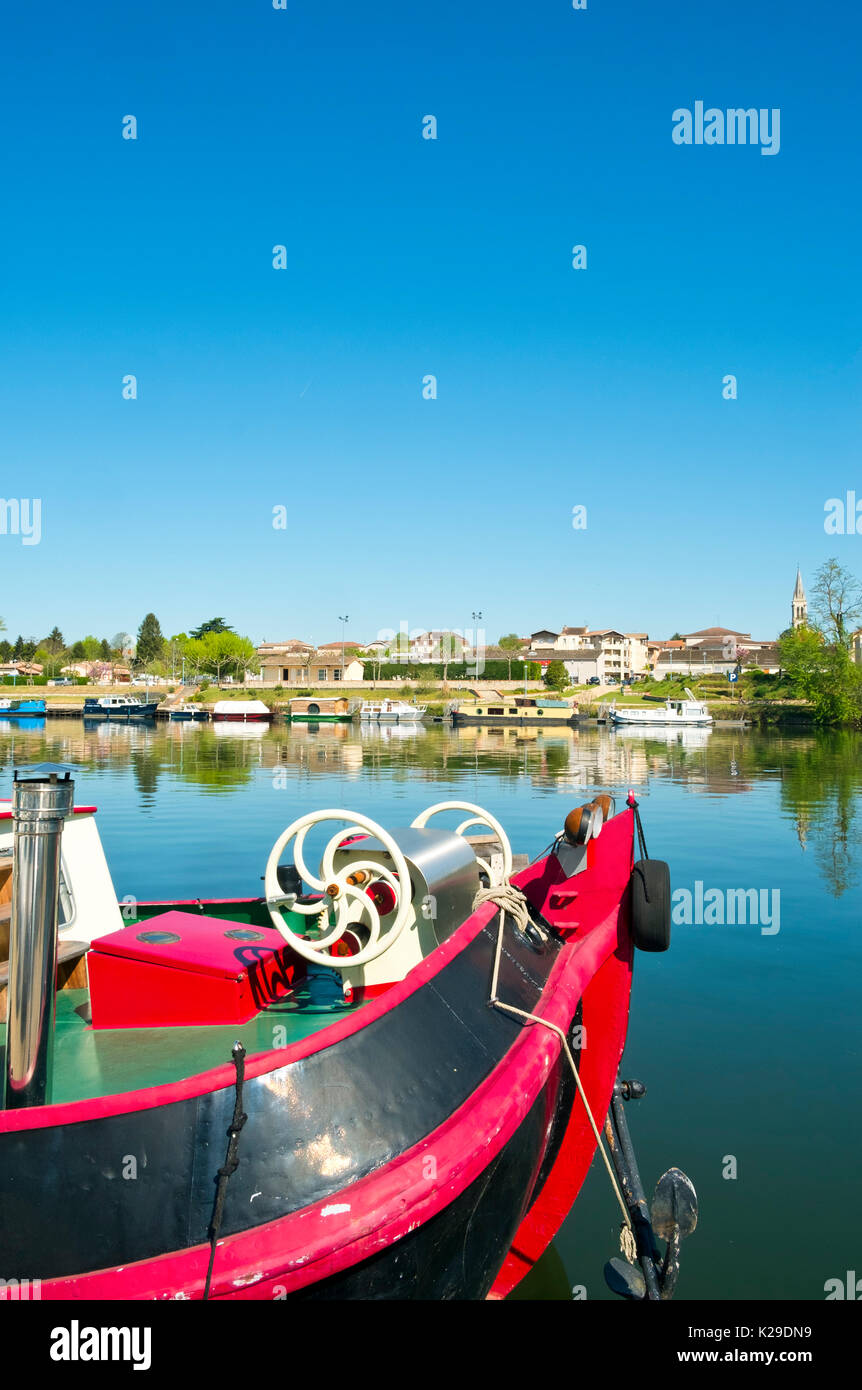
pixel 231 1162
pixel 511 900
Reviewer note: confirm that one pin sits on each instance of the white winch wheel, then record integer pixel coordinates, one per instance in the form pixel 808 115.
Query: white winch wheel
pixel 338 895
pixel 479 817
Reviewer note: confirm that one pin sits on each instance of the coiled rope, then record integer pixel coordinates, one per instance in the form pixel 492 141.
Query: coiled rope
pixel 511 900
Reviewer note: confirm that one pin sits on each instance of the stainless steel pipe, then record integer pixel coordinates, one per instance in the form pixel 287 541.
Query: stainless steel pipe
pixel 39 808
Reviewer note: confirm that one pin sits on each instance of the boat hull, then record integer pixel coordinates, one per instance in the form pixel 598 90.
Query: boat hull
pixel 24 709
pixel 662 721
pixel 147 711
pixel 241 718
pixel 425 1146
pixel 494 719
pixel 320 718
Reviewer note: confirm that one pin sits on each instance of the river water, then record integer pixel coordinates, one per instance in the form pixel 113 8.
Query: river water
pixel 747 1036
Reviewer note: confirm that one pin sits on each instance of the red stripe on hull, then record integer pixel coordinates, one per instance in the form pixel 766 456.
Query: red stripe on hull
pixel 368 1216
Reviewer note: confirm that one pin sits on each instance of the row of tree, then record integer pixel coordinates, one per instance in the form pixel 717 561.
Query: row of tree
pixel 213 649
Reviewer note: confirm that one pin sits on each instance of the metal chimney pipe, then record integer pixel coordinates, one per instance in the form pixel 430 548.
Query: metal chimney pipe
pixel 39 808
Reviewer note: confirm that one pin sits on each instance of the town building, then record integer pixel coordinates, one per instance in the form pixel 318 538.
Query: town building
pixel 19 670
pixel 585 652
pixel 279 665
pixel 711 650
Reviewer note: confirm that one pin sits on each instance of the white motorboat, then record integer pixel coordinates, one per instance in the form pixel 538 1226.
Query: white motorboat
pixel 241 712
pixel 673 712
pixel 390 712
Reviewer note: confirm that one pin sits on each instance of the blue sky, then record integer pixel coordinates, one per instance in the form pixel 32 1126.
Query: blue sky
pixel 303 387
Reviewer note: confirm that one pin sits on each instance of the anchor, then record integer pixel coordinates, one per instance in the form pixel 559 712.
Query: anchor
pixel 673 1215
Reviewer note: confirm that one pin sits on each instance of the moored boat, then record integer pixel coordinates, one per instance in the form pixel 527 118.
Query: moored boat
pixel 119 707
pixel 321 709
pixel 390 712
pixel 241 712
pixel 188 711
pixel 393 1046
pixel 673 712
pixel 496 708
pixel 21 709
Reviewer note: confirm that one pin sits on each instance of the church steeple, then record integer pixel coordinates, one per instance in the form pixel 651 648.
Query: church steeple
pixel 799 607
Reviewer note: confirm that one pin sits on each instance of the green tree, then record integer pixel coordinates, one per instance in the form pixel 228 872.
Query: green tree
pixel 556 676
pixel 220 654
pixel 212 625
pixel 510 644
pixel 823 673
pixel 54 641
pixel 151 643
pixel 836 602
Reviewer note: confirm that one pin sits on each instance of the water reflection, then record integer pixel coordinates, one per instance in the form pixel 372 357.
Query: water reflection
pixel 816 774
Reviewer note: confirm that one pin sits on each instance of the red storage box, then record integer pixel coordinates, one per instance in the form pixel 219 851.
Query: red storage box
pixel 180 968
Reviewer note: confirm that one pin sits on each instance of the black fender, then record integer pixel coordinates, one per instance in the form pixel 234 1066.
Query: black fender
pixel 650 905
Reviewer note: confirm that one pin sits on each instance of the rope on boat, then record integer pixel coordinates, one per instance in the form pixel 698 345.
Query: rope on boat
pixel 231 1162
pixel 511 900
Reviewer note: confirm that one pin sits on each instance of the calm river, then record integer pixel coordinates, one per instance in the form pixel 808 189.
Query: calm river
pixel 746 1036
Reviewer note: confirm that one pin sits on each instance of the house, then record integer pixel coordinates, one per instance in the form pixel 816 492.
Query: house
pixel 438 646
pixel 541 639
pixel 291 646
pixel 312 667
pixel 715 649
pixel 603 652
pixel 337 646
pixel 19 670
pixel 98 672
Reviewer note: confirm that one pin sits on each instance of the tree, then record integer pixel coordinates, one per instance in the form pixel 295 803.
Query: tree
pixel 510 644
pixel 105 653
pixel 446 652
pixel 151 643
pixel 836 602
pixel 220 654
pixel 556 676
pixel 212 625
pixel 54 641
pixel 823 673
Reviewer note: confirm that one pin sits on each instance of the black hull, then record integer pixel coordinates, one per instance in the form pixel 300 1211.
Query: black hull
pixel 456 1255
pixel 314 1126
pixel 491 721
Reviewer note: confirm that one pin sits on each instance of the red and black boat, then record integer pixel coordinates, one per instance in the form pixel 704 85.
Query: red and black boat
pixel 382 1079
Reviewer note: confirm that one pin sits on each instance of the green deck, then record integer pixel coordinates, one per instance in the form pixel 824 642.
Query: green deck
pixel 89 1062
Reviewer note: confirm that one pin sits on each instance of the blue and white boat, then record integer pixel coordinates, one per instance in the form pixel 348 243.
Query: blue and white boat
pixel 190 712
pixel 120 707
pixel 21 709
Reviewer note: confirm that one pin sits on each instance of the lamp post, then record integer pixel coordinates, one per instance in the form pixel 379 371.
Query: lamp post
pixel 344 621
pixel 477 618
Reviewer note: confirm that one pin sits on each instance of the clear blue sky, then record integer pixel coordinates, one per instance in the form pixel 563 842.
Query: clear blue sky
pixel 406 257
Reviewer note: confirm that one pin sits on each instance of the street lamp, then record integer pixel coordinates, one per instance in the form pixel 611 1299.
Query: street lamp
pixel 344 621
pixel 477 618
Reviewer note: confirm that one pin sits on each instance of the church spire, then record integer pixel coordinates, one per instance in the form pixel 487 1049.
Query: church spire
pixel 799 606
